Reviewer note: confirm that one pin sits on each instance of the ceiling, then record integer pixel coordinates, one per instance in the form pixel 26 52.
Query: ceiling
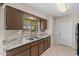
pixel 51 9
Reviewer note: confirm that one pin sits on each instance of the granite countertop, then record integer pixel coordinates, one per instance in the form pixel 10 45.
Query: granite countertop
pixel 21 42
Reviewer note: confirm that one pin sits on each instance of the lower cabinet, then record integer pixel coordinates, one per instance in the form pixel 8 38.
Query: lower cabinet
pixel 21 50
pixel 41 45
pixel 49 42
pixel 32 49
pixel 24 53
pixel 45 44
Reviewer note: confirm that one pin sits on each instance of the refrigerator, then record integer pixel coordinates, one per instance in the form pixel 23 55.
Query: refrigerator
pixel 78 39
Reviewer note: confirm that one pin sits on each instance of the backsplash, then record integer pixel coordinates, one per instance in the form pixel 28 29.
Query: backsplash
pixel 11 35
pixel 17 35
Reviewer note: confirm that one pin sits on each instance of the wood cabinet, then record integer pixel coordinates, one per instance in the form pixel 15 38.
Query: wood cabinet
pixel 21 50
pixel 24 53
pixel 49 42
pixel 43 24
pixel 45 44
pixel 35 48
pixel 13 18
pixel 41 45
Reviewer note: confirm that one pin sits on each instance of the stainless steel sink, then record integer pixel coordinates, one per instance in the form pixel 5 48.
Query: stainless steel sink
pixel 32 37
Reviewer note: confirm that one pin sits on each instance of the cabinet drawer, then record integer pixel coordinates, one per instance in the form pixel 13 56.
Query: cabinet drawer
pixel 17 50
pixel 24 53
pixel 40 41
pixel 46 41
pixel 34 43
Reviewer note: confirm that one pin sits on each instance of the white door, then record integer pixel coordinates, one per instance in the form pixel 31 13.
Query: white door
pixel 64 32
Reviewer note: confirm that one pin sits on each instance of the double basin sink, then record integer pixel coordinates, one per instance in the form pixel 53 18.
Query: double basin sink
pixel 33 37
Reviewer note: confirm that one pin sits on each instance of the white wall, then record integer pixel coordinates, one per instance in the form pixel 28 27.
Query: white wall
pixel 1 29
pixel 75 22
pixel 69 37
pixel 50 28
pixel 50 24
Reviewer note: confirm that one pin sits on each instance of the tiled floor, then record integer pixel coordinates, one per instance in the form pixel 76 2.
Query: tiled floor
pixel 59 50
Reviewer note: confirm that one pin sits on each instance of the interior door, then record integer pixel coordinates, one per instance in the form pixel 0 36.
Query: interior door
pixel 64 32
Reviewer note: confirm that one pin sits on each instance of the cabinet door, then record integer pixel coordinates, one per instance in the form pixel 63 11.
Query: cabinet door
pixel 13 18
pixel 45 44
pixel 43 24
pixel 24 53
pixel 17 50
pixel 34 50
pixel 49 42
pixel 41 48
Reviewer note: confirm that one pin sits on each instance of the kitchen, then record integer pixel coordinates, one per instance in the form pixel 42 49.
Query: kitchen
pixel 22 33
pixel 29 32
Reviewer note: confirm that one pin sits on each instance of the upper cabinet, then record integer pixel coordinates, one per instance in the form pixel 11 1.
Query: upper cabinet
pixel 13 18
pixel 18 20
pixel 43 24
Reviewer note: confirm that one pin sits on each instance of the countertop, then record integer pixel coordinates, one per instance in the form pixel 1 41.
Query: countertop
pixel 21 42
